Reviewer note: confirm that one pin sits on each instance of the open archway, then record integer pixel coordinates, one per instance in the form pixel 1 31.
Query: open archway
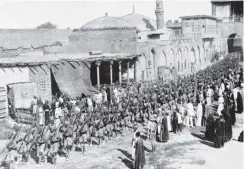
pixel 179 59
pixel 204 54
pixel 143 66
pixel 162 59
pixel 192 55
pixel 199 55
pixel 152 63
pixel 171 58
pixel 234 43
pixel 186 62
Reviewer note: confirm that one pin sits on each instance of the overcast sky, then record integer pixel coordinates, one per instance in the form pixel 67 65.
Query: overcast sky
pixel 73 14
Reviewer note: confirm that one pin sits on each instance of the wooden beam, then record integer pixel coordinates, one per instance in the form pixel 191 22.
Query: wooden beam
pixel 12 69
pixel 43 69
pixel 3 69
pixel 35 68
pixel 31 70
pixel 19 69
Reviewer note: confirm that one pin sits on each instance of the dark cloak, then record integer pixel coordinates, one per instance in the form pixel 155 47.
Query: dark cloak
pixel 139 154
pixel 209 133
pixel 164 130
pixel 228 125
pixel 239 103
pixel 232 113
pixel 220 131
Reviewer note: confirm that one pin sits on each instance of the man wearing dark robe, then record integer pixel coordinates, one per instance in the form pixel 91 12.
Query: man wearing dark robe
pixel 164 129
pixel 220 132
pixel 140 160
pixel 232 113
pixel 239 101
pixel 228 126
pixel 209 133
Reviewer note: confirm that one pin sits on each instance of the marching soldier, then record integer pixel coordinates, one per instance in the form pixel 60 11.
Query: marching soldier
pixel 67 138
pixel 83 134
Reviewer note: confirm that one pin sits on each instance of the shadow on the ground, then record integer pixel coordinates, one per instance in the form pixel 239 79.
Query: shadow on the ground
pixel 208 143
pixel 127 162
pixel 203 139
pixel 147 149
pixel 200 136
pixel 126 153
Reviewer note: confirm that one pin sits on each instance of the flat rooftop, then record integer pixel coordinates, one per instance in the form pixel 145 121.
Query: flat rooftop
pixel 225 0
pixel 199 17
pixel 38 58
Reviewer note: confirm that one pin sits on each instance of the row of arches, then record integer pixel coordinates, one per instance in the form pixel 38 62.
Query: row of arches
pixel 180 58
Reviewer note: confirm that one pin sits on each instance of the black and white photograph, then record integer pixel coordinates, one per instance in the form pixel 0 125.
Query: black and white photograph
pixel 121 84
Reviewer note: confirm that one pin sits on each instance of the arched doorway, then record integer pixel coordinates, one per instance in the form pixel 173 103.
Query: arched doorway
pixel 186 58
pixel 171 58
pixel 152 65
pixel 154 62
pixel 179 59
pixel 234 43
pixel 192 56
pixel 162 59
pixel 199 55
pixel 204 54
pixel 143 66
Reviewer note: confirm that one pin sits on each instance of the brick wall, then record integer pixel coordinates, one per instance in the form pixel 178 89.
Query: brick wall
pixel 41 75
pixel 105 40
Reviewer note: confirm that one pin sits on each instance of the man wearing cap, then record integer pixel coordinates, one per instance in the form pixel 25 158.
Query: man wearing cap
pixel 54 141
pixel 68 138
pixel 152 129
pixel 83 134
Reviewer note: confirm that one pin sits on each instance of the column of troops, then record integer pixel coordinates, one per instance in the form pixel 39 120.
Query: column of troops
pixel 73 123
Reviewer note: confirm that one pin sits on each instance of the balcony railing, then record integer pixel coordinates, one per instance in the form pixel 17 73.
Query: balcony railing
pixel 186 36
pixel 233 18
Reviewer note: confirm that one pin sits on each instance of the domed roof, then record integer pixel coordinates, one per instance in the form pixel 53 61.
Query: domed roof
pixel 107 23
pixel 142 23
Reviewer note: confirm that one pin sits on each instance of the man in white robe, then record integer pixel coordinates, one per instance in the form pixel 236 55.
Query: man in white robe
pixel 191 113
pixel 199 114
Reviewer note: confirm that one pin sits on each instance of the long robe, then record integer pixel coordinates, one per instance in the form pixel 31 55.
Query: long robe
pixel 209 133
pixel 228 126
pixel 239 101
pixel 164 130
pixel 199 115
pixel 232 114
pixel 220 131
pixel 169 123
pixel 175 122
pixel 140 160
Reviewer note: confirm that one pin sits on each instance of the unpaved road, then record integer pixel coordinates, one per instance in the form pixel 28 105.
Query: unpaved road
pixel 186 150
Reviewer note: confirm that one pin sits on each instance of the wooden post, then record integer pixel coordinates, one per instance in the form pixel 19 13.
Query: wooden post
pixel 98 74
pixel 135 69
pixel 111 72
pixel 119 73
pixel 128 68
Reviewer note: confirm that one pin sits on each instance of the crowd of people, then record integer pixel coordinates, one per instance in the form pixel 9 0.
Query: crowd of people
pixel 161 107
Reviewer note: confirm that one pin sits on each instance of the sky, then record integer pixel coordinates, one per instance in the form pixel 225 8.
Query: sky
pixel 19 14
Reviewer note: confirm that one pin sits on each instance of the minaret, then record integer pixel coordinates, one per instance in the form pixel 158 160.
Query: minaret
pixel 159 11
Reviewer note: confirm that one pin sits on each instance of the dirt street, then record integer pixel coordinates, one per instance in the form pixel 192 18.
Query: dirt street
pixel 187 150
